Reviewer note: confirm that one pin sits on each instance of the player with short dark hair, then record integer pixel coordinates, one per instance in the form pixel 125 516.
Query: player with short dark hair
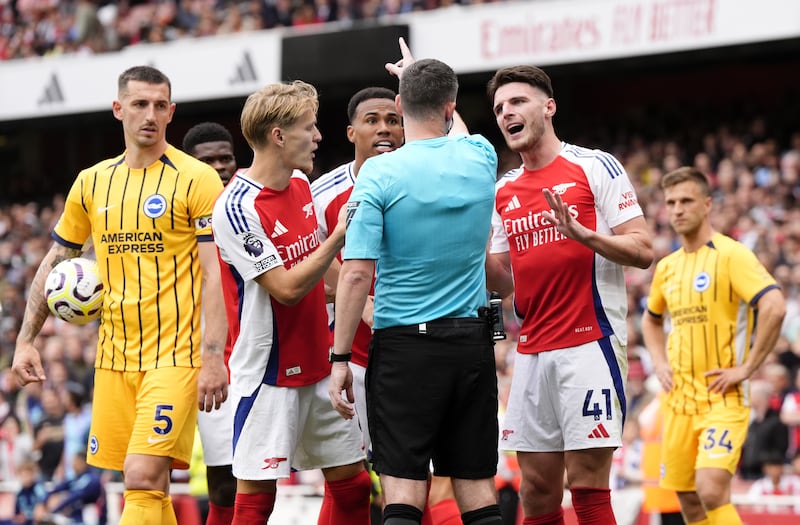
pixel 422 214
pixel 148 213
pixel 564 225
pixel 375 127
pixel 213 144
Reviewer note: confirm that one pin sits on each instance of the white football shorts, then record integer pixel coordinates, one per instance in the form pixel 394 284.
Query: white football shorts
pixel 567 399
pixel 360 393
pixel 216 434
pixel 292 427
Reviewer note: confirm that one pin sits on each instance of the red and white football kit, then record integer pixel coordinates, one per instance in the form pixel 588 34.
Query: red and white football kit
pixel 279 358
pixel 216 427
pixel 569 298
pixel 330 192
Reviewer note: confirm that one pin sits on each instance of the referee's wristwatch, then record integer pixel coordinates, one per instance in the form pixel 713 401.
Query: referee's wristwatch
pixel 339 358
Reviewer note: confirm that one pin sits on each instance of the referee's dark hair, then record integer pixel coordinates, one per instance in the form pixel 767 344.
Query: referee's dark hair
pixel 205 132
pixel 425 87
pixel 367 94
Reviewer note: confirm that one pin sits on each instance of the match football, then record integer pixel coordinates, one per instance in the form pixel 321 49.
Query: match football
pixel 74 290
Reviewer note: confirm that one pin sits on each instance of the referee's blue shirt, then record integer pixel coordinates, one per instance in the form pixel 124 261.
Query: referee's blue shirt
pixel 423 213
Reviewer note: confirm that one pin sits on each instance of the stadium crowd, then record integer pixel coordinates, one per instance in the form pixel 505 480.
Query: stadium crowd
pixel 30 28
pixel 756 185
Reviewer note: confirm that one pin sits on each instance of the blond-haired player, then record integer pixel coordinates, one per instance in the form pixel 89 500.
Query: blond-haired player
pixel 273 261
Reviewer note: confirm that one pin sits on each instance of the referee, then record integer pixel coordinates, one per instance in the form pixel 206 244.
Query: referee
pixel 422 214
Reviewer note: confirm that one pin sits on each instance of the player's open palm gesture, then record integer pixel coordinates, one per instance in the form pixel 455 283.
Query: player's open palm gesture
pixel 559 216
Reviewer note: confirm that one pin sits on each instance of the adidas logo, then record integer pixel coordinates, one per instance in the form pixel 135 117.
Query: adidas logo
pixel 513 204
pixel 245 72
pixel 279 230
pixel 52 92
pixel 599 432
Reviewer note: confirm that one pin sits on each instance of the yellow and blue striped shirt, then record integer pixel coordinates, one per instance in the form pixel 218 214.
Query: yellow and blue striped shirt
pixel 145 225
pixel 710 296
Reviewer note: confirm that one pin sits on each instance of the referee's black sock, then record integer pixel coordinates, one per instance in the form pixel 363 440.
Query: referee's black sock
pixel 489 515
pixel 401 514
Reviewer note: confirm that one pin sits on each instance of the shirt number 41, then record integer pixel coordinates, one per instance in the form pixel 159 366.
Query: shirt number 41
pixel 591 408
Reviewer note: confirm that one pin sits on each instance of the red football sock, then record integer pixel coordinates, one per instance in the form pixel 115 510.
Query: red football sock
pixel 326 508
pixel 445 513
pixel 218 515
pixel 426 511
pixel 592 506
pixel 350 500
pixel 253 509
pixel 552 518
pixel 427 519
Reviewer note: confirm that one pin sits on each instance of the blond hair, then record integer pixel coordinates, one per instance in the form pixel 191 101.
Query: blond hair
pixel 276 105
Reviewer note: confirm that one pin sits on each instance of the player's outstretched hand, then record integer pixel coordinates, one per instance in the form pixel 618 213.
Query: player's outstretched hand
pixel 340 390
pixel 397 68
pixel 27 365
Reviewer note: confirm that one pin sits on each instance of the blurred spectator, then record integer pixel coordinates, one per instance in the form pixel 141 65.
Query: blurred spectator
pixel 48 436
pixel 87 30
pixel 279 14
pixel 767 437
pixel 82 488
pixel 45 27
pixel 304 15
pixel 778 377
pixel 29 407
pixel 636 394
pixel 790 415
pixel 77 420
pixel 16 447
pixel 776 481
pixel 657 500
pixel 626 466
pixel 31 495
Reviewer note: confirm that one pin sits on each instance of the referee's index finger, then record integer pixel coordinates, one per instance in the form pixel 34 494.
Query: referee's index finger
pixel 404 49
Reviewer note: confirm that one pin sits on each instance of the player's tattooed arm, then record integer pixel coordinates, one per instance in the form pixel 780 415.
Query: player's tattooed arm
pixel 27 364
pixel 36 310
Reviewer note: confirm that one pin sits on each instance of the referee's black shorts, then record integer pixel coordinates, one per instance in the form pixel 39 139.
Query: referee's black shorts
pixel 432 396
